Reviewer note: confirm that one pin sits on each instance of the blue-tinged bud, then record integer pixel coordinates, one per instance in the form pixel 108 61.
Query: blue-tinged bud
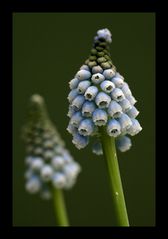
pixel 82 87
pixel 33 185
pixel 102 100
pixel 71 129
pixel 123 143
pixel 91 93
pixel 131 99
pixel 109 73
pixel 97 148
pixel 97 69
pixel 113 128
pixel 117 95
pixel 71 170
pixel 73 93
pixel 97 78
pixel 114 109
pixel 78 102
pixel 57 162
pixel 135 127
pixel 73 83
pixel 99 117
pixel 76 119
pixel 126 90
pixel 83 74
pixel 107 86
pixel 125 122
pixel 46 173
pixel 71 111
pixel 125 104
pixel 59 180
pixel 105 34
pixel 86 127
pixel 85 67
pixel 88 108
pixel 37 164
pixel 133 112
pixel 80 141
pixel 118 81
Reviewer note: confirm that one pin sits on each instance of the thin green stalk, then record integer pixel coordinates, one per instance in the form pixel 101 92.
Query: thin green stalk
pixel 118 200
pixel 60 209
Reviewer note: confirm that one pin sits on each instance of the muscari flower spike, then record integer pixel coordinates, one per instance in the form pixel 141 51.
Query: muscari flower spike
pixel 99 97
pixel 49 164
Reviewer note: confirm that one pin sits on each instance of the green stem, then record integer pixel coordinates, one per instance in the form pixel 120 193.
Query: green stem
pixel 60 209
pixel 110 155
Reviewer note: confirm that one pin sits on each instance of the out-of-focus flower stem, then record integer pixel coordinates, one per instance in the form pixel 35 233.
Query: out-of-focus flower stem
pixel 118 200
pixel 60 208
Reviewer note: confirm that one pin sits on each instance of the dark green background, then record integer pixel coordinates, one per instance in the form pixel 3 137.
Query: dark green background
pixel 48 49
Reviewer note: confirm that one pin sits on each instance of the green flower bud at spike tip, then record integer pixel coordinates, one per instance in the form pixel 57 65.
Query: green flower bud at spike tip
pixel 111 101
pixel 47 159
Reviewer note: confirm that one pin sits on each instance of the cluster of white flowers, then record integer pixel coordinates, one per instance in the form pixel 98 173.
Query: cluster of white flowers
pixel 100 97
pixel 49 164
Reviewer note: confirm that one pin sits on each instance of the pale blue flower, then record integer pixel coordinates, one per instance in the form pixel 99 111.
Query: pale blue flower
pixel 125 104
pixel 84 67
pixel 88 108
pixel 91 93
pixel 108 74
pixel 59 180
pixel 73 93
pixel 126 90
pixel 33 185
pixel 76 119
pixel 135 127
pixel 78 102
pixel 71 170
pixel 125 122
pixel 113 128
pixel 82 87
pixel 46 173
pixel 97 78
pixel 80 141
pixel 71 111
pixel 83 74
pixel 133 112
pixel 118 81
pixel 102 100
pixel 104 33
pixel 117 95
pixel 58 162
pixel 131 99
pixel 97 69
pixel 97 148
pixel 73 83
pixel 37 164
pixel 72 129
pixel 114 109
pixel 86 127
pixel 107 86
pixel 99 117
pixel 123 143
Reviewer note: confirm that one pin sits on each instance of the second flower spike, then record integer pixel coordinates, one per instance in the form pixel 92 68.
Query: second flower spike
pixel 49 164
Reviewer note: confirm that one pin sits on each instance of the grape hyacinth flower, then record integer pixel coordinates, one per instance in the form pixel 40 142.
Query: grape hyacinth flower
pixel 50 166
pixel 100 97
